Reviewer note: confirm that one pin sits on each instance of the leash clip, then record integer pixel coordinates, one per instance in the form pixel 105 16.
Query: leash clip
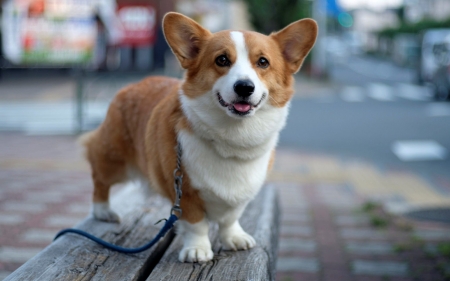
pixel 175 210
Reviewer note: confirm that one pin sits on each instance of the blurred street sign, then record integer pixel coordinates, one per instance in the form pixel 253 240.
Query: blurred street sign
pixel 138 23
pixel 49 32
pixel 333 8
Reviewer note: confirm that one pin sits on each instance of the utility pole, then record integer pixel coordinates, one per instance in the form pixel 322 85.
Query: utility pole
pixel 319 63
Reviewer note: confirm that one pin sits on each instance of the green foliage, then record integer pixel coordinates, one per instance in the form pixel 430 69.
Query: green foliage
pixel 419 242
pixel 443 267
pixel 271 15
pixel 369 206
pixel 377 221
pixel 405 226
pixel 402 247
pixel 415 28
pixel 444 249
pixel 400 11
pixel 413 242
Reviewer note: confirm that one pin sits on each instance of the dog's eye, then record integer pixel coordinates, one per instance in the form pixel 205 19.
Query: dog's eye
pixel 262 62
pixel 223 61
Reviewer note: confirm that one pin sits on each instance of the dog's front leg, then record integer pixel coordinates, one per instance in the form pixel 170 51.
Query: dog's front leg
pixel 231 234
pixel 196 244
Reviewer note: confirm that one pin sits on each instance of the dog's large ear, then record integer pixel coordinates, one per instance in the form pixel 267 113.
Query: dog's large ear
pixel 184 36
pixel 295 41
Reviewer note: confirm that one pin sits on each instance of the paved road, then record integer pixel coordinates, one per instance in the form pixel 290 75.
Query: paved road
pixel 368 129
pixel 365 113
pixel 359 70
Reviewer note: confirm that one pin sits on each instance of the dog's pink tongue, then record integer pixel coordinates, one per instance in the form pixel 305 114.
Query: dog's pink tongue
pixel 242 107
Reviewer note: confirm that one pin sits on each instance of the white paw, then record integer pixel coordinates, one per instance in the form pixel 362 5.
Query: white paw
pixel 101 211
pixel 195 254
pixel 238 241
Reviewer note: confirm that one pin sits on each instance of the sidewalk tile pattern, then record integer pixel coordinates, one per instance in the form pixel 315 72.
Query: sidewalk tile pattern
pixel 44 187
pixel 348 244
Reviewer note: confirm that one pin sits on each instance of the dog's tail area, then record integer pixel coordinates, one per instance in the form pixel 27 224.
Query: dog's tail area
pixel 84 140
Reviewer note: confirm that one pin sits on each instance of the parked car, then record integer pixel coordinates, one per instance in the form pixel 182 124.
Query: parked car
pixel 440 83
pixel 440 80
pixel 434 66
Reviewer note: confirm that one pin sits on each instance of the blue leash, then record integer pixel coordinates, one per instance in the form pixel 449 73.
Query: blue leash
pixel 178 181
pixel 167 226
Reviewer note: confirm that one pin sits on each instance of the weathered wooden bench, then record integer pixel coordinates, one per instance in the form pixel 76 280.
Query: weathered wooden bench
pixel 72 257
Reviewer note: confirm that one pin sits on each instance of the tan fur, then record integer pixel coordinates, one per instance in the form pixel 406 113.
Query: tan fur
pixel 278 78
pixel 203 73
pixel 271 161
pixel 133 135
pixel 295 42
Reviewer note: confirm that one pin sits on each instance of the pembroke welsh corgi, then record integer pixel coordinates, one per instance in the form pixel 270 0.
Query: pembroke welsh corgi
pixel 226 114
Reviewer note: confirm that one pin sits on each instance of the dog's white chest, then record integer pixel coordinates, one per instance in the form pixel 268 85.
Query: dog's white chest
pixel 232 181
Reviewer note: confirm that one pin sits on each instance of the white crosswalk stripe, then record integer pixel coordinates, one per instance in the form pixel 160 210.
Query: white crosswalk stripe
pixel 413 92
pixel 352 94
pixel 419 150
pixel 384 93
pixel 381 92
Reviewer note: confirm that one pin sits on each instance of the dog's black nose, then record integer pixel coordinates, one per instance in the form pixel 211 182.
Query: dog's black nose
pixel 244 88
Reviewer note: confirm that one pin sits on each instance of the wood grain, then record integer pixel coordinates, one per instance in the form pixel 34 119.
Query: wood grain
pixel 260 219
pixel 73 257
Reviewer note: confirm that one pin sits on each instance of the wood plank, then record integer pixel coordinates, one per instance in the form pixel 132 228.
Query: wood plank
pixel 260 219
pixel 73 257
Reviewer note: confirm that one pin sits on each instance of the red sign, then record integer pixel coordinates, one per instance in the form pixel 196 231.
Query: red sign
pixel 139 24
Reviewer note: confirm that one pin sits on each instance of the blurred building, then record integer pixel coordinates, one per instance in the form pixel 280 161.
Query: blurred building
pixel 109 34
pixel 369 21
pixel 216 14
pixel 366 22
pixel 416 10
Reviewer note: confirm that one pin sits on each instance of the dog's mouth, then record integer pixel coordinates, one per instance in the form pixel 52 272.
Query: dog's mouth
pixel 239 107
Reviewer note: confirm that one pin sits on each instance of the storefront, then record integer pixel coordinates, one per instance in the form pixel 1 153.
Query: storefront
pixel 97 34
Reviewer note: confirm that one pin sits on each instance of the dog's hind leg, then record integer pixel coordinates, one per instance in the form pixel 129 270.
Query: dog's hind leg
pixel 105 175
pixel 108 168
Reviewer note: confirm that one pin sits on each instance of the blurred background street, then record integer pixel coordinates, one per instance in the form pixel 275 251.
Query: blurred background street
pixel 363 168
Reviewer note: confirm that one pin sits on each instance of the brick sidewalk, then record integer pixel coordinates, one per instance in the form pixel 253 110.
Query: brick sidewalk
pixel 333 230
pixel 44 187
pixel 326 234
